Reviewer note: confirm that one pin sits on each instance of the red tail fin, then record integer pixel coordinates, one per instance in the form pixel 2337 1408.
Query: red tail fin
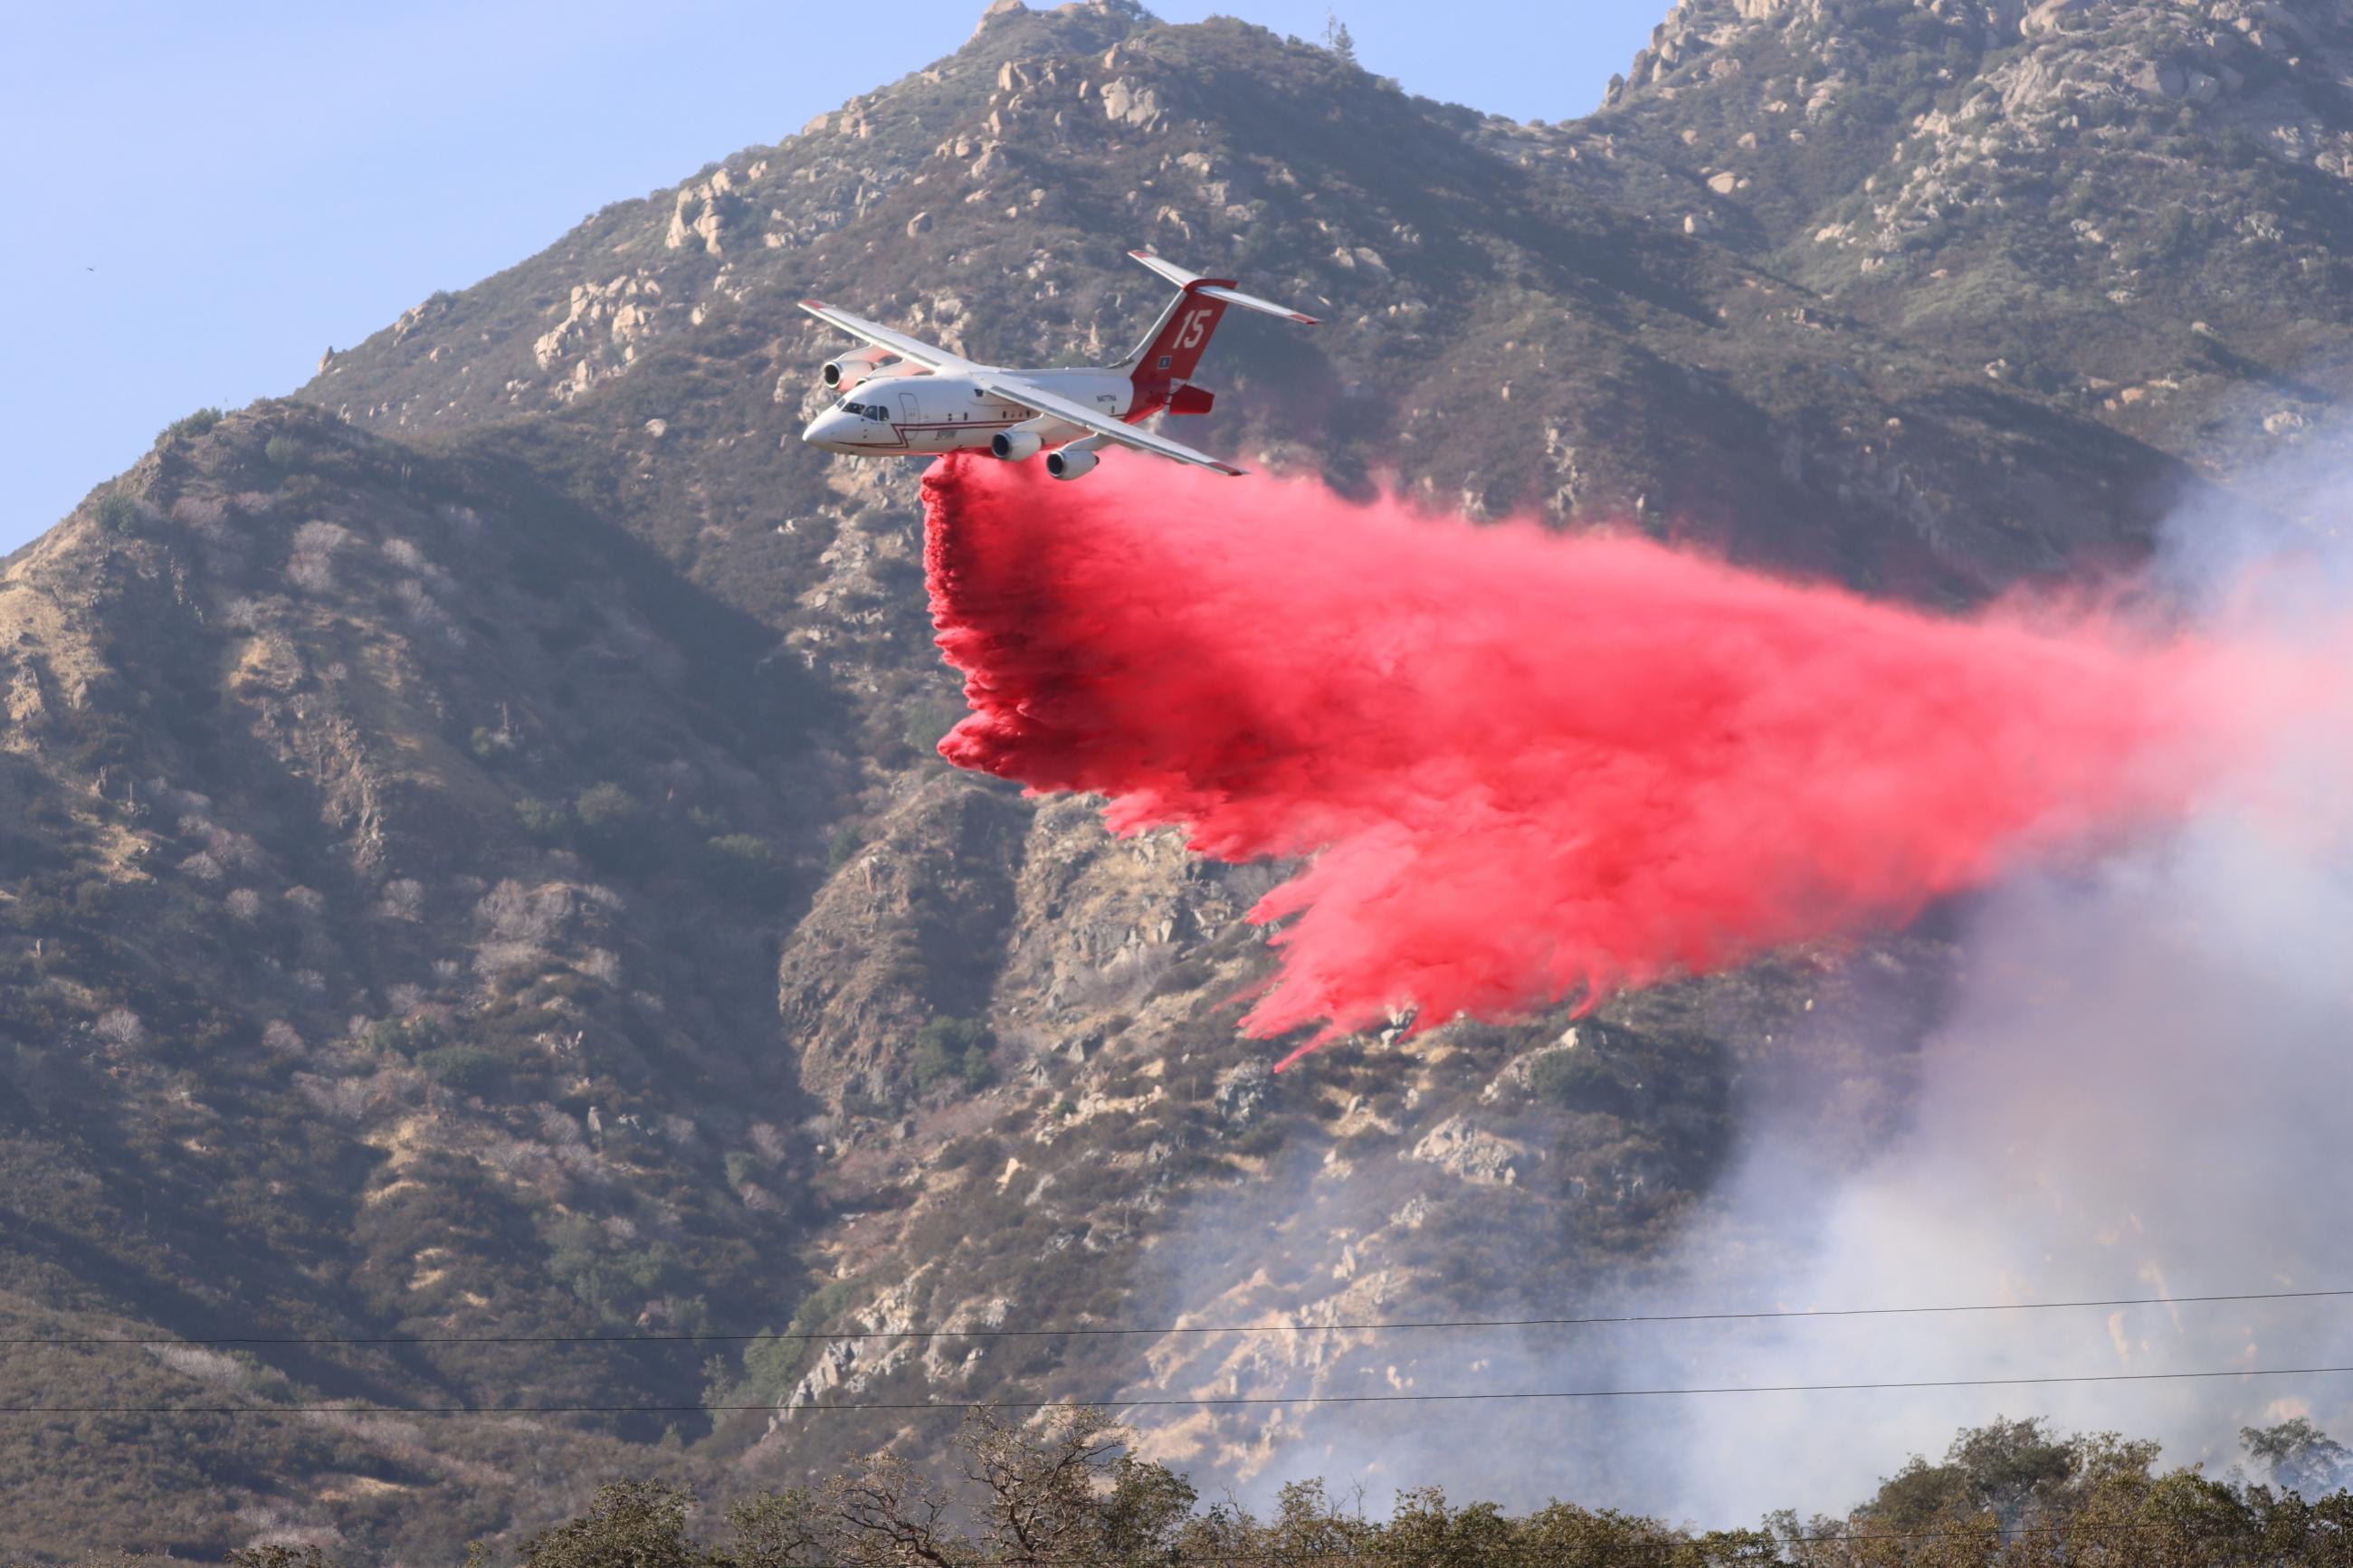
pixel 1176 345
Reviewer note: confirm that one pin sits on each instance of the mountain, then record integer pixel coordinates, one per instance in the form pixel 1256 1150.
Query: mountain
pixel 475 871
pixel 318 1020
pixel 2138 208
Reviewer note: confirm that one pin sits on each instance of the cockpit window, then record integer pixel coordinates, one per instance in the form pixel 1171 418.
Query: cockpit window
pixel 874 411
pixel 853 408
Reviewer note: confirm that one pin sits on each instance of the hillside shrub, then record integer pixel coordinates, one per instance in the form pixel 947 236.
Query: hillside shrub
pixel 928 723
pixel 1578 1079
pixel 545 820
pixel 1186 974
pixel 843 847
pixel 979 1149
pixel 745 866
pixel 613 829
pixel 952 1051
pixel 117 512
pixel 771 1367
pixel 282 452
pixel 606 807
pixel 860 1102
pixel 188 425
pixel 614 1282
pixel 465 1067
pixel 407 1036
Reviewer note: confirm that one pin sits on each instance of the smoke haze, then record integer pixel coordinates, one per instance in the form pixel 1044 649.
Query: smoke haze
pixel 2141 1091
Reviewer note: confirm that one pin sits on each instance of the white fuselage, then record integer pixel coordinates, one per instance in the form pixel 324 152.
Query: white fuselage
pixel 922 414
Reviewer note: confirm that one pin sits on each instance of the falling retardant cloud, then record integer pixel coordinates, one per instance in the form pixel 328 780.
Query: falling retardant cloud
pixel 2135 1086
pixel 1528 766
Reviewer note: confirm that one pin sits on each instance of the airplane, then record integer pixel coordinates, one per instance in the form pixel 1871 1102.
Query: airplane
pixel 903 398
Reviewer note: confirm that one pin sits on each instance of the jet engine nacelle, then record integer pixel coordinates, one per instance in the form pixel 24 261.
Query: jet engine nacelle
pixel 1071 462
pixel 844 374
pixel 1016 444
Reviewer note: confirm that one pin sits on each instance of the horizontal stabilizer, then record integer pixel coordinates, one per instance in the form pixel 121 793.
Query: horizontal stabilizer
pixel 1252 302
pixel 1218 288
pixel 1166 269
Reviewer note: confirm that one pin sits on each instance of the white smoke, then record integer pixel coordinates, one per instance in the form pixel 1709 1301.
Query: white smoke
pixel 2141 1093
pixel 2141 1087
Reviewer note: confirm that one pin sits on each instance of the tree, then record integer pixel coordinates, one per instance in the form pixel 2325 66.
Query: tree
pixel 886 1515
pixel 120 1028
pixel 1337 38
pixel 280 1555
pixel 630 1524
pixel 1067 1489
pixel 1425 1529
pixel 2007 1463
pixel 2302 1458
pixel 1063 1489
pixel 782 1530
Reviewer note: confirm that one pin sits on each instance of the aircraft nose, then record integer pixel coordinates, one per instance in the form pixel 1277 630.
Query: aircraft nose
pixel 826 429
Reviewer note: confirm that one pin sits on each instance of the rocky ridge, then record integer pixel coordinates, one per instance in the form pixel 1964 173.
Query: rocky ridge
pixel 2159 186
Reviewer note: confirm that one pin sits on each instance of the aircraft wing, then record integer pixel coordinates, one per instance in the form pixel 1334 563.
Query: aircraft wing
pixel 1030 395
pixel 883 337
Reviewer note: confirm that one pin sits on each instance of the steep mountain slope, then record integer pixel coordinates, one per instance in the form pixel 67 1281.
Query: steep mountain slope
pixel 2137 208
pixel 475 868
pixel 310 1030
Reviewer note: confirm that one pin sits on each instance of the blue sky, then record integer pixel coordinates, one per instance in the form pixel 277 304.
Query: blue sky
pixel 207 196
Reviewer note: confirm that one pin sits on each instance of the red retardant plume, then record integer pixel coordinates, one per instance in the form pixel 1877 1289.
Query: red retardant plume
pixel 1527 766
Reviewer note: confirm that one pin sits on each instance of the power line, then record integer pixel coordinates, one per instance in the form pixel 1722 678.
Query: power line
pixel 1184 1402
pixel 1109 1331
